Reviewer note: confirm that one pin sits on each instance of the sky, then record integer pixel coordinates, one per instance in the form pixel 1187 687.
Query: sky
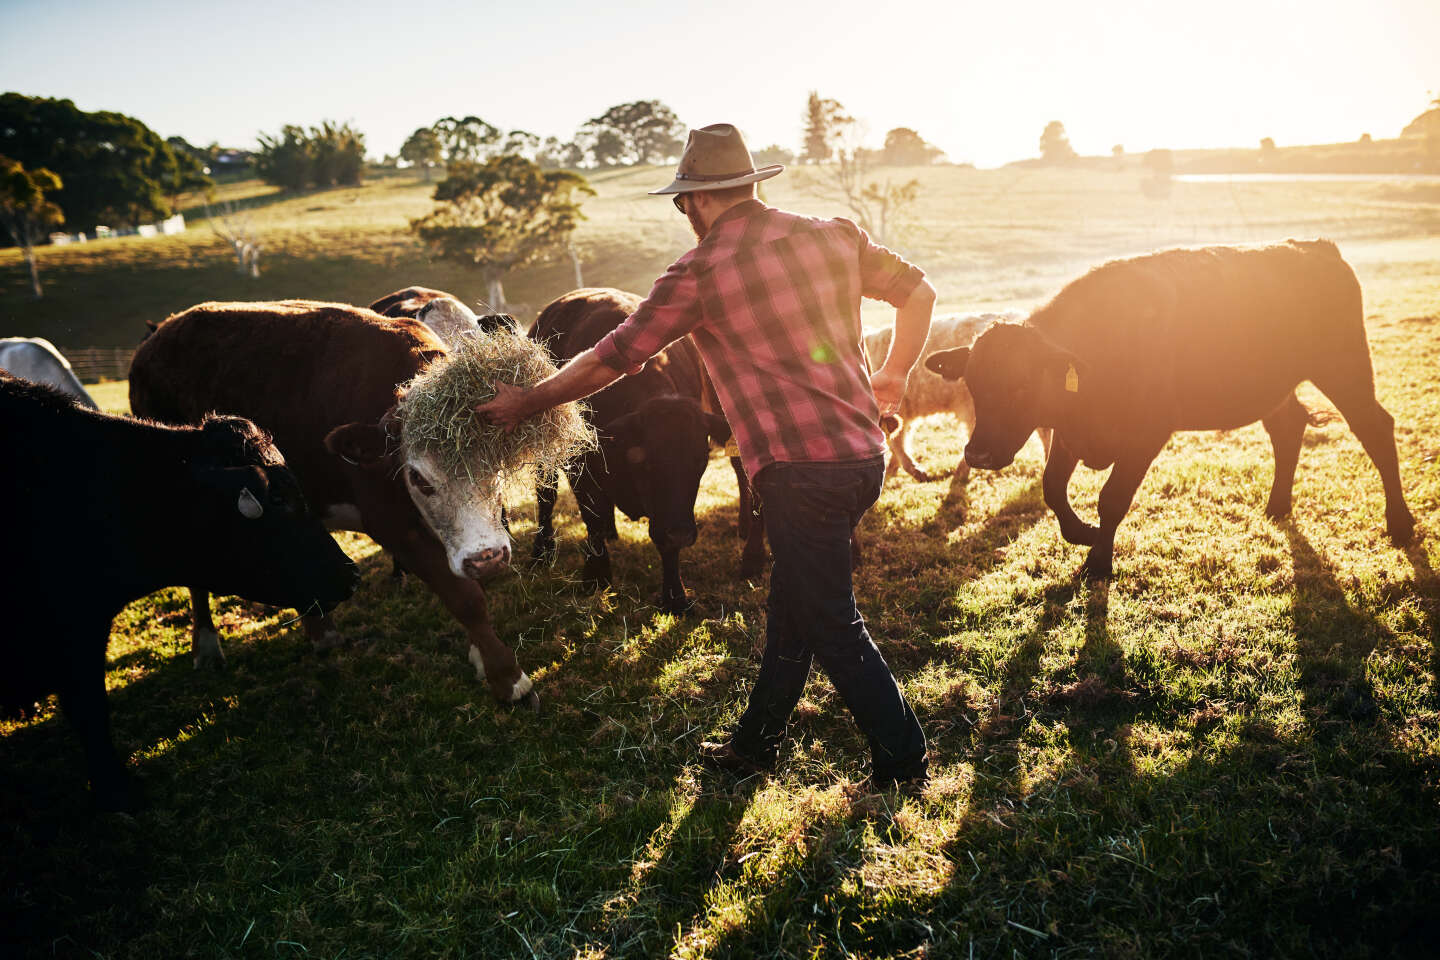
pixel 979 80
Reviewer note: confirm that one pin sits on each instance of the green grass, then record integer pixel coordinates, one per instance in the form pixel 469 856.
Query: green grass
pixel 1232 750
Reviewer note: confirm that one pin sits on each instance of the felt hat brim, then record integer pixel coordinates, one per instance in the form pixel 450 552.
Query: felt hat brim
pixel 689 186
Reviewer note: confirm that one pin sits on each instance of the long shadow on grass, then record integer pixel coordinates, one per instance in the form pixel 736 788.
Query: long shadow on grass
pixel 1332 642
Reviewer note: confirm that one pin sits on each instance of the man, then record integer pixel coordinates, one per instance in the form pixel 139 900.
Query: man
pixel 772 302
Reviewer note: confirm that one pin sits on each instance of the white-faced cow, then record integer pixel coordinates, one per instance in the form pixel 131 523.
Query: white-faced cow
pixel 442 312
pixel 36 359
pixel 104 510
pixel 654 442
pixel 1197 339
pixel 323 378
pixel 928 394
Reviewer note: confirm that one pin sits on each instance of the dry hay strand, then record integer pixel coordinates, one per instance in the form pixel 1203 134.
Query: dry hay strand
pixel 438 418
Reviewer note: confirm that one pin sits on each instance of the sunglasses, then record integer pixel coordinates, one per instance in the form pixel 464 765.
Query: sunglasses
pixel 679 201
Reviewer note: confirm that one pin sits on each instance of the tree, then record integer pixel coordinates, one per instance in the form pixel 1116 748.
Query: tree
pixel 25 210
pixel 522 143
pixel 422 150
pixel 234 228
pixel 774 153
pixel 906 148
pixel 325 156
pixel 467 139
pixel 284 160
pixel 337 155
pixel 879 208
pixel 1055 145
pixel 1160 164
pixel 114 169
pixel 645 131
pixel 501 215
pixel 825 123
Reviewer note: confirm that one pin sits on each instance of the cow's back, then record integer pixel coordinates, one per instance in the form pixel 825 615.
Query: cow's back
pixel 297 368
pixel 1206 334
pixel 576 321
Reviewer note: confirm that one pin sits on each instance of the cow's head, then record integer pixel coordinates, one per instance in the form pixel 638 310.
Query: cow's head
pixel 269 547
pixel 451 320
pixel 1019 380
pixel 655 457
pixel 465 515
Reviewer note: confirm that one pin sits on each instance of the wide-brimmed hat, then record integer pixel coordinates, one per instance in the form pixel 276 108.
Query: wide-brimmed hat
pixel 716 157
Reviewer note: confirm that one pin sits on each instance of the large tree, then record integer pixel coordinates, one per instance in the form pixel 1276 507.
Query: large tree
pixel 422 150
pixel 466 139
pixel 1055 144
pixel 502 214
pixel 645 131
pixel 906 148
pixel 114 169
pixel 826 123
pixel 26 211
pixel 332 154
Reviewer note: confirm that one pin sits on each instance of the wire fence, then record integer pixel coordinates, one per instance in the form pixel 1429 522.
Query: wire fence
pixel 93 364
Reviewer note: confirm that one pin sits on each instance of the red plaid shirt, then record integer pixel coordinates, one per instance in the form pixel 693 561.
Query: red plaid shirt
pixel 772 302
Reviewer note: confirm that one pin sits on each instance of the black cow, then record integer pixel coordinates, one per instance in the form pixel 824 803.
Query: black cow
pixel 654 442
pixel 131 507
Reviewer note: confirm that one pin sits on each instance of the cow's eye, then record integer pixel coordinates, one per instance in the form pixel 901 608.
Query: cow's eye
pixel 420 483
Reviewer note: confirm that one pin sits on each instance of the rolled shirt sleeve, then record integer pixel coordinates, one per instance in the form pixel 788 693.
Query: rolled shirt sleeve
pixel 884 274
pixel 670 312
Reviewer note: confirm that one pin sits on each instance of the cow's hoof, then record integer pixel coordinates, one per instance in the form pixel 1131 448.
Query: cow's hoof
pixel 677 605
pixel 1096 569
pixel 119 794
pixel 1401 531
pixel 1277 510
pixel 1082 535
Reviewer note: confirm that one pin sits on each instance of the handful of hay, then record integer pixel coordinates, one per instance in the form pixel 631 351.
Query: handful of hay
pixel 437 413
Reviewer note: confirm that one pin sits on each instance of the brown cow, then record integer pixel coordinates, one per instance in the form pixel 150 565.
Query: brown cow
pixel 322 379
pixel 1196 339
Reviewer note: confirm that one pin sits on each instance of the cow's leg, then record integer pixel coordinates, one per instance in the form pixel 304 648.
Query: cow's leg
pixel 1286 426
pixel 672 587
pixel 1059 468
pixel 82 697
pixel 494 662
pixel 900 455
pixel 752 528
pixel 1354 397
pixel 205 650
pixel 1115 499
pixel 546 491
pixel 598 513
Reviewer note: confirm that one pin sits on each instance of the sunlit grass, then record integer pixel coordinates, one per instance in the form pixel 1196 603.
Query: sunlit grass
pixel 1233 749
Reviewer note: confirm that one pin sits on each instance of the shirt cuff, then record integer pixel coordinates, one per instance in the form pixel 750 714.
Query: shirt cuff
pixel 609 354
pixel 903 286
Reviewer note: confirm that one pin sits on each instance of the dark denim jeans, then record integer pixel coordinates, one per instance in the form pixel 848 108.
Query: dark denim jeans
pixel 810 509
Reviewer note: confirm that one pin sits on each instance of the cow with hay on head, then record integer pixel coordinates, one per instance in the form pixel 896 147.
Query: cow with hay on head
pixel 361 406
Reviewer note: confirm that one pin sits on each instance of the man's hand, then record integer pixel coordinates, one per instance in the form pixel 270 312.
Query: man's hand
pixel 889 390
pixel 509 406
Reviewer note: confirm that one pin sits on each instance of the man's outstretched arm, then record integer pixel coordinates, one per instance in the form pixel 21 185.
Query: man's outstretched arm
pixel 583 375
pixel 912 324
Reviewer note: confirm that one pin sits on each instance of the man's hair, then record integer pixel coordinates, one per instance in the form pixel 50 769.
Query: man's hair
pixel 732 194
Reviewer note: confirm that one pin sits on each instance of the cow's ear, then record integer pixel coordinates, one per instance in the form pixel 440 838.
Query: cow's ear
pixel 949 364
pixel 718 428
pixel 625 429
pixel 1069 370
pixel 358 444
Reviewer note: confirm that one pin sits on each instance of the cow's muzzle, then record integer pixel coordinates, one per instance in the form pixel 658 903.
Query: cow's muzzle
pixel 677 539
pixel 486 563
pixel 985 459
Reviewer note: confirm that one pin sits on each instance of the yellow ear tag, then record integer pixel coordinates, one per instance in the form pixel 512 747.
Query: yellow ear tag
pixel 1072 380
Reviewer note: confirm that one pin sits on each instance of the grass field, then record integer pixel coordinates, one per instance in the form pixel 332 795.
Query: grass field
pixel 1233 750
